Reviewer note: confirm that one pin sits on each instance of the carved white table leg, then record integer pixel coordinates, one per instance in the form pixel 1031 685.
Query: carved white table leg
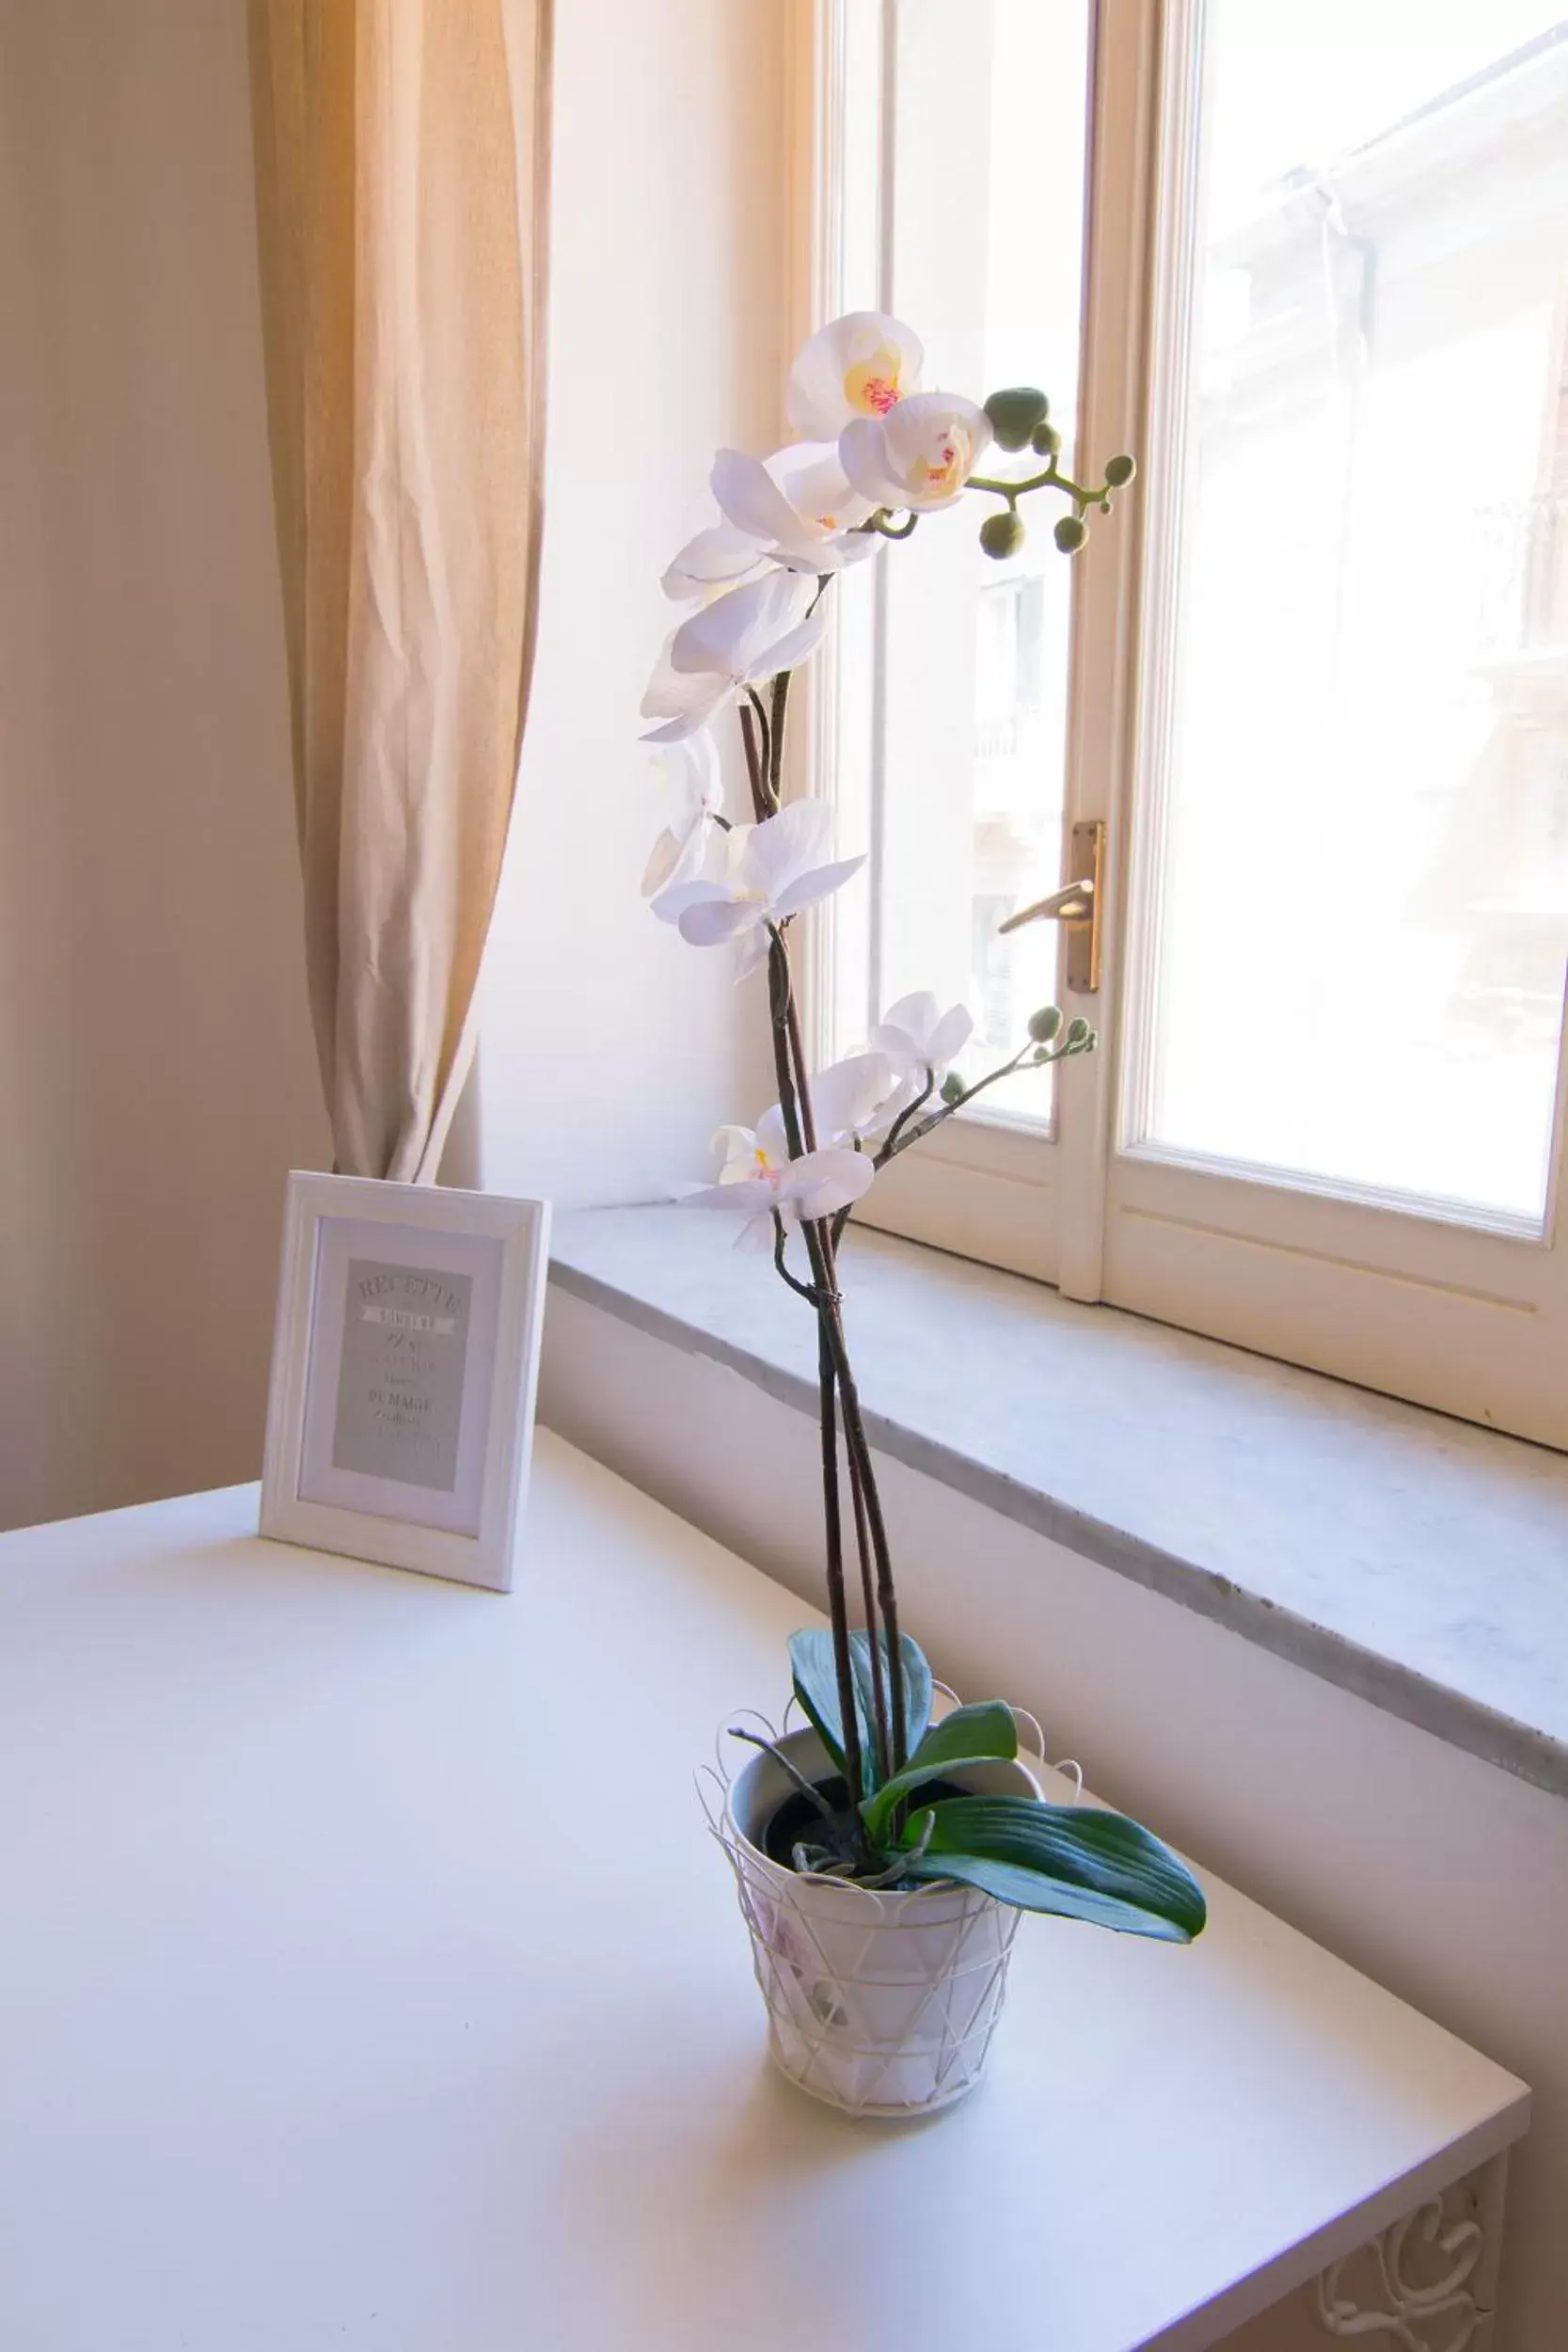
pixel 1429 2283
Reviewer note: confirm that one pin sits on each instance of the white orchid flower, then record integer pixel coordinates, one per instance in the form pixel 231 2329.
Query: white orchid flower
pixel 845 1100
pixel 860 365
pixel 772 870
pixel 796 505
pixel 919 1043
pixel 692 778
pixel 919 455
pixel 759 1181
pixel 738 640
pixel 915 1034
pixel 719 557
pixel 847 1096
pixel 681 700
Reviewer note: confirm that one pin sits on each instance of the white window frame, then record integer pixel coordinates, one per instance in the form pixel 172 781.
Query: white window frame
pixel 1470 1315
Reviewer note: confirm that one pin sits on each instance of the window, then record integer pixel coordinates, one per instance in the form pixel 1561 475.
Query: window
pixel 1310 261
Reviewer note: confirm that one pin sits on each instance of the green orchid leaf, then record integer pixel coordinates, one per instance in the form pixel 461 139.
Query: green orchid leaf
pixel 810 1660
pixel 917 1691
pixel 810 1663
pixel 1072 1860
pixel 970 1734
pixel 1025 1890
pixel 986 1727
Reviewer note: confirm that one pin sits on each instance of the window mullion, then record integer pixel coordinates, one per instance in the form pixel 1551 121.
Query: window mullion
pixel 1129 39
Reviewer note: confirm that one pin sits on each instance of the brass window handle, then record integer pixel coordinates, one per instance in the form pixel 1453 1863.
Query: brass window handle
pixel 1076 905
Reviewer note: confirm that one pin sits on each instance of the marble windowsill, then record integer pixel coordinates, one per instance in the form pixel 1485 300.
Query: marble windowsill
pixel 1416 1561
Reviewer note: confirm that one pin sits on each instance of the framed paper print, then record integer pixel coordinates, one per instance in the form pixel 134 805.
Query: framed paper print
pixel 400 1419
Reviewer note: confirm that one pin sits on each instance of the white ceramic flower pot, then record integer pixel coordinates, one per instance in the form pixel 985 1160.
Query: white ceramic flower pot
pixel 879 2003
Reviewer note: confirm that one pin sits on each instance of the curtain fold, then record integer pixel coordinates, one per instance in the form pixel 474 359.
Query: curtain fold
pixel 402 151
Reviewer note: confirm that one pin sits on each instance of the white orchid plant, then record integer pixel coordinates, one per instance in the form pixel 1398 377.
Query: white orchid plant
pixel 874 454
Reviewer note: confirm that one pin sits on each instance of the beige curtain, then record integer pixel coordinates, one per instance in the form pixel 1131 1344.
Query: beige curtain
pixel 401 168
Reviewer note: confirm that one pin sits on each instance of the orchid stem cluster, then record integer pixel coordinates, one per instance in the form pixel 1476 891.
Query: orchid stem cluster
pixel 874 454
pixel 839 1405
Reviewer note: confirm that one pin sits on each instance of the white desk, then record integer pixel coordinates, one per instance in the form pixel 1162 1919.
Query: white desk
pixel 344 2000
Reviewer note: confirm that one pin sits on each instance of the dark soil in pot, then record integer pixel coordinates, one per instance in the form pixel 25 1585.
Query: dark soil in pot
pixel 798 1819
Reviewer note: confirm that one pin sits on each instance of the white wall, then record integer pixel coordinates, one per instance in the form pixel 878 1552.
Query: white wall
pixel 610 1051
pixel 1442 1877
pixel 155 1061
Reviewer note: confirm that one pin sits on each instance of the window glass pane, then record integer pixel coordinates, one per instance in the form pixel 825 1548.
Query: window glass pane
pixel 1364 886
pixel 984 239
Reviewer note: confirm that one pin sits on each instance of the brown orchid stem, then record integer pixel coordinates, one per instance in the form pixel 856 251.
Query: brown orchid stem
pixel 911 1110
pixel 893 1731
pixel 789 1105
pixel 767 800
pixel 754 735
pixel 1024 1059
pixel 868 1606
pixel 802 1290
pixel 776 731
pixel 834 1534
pixel 858 1446
pixel 834 1365
pixel 762 738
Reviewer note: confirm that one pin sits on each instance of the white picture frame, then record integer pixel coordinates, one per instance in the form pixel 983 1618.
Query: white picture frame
pixel 405 1367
